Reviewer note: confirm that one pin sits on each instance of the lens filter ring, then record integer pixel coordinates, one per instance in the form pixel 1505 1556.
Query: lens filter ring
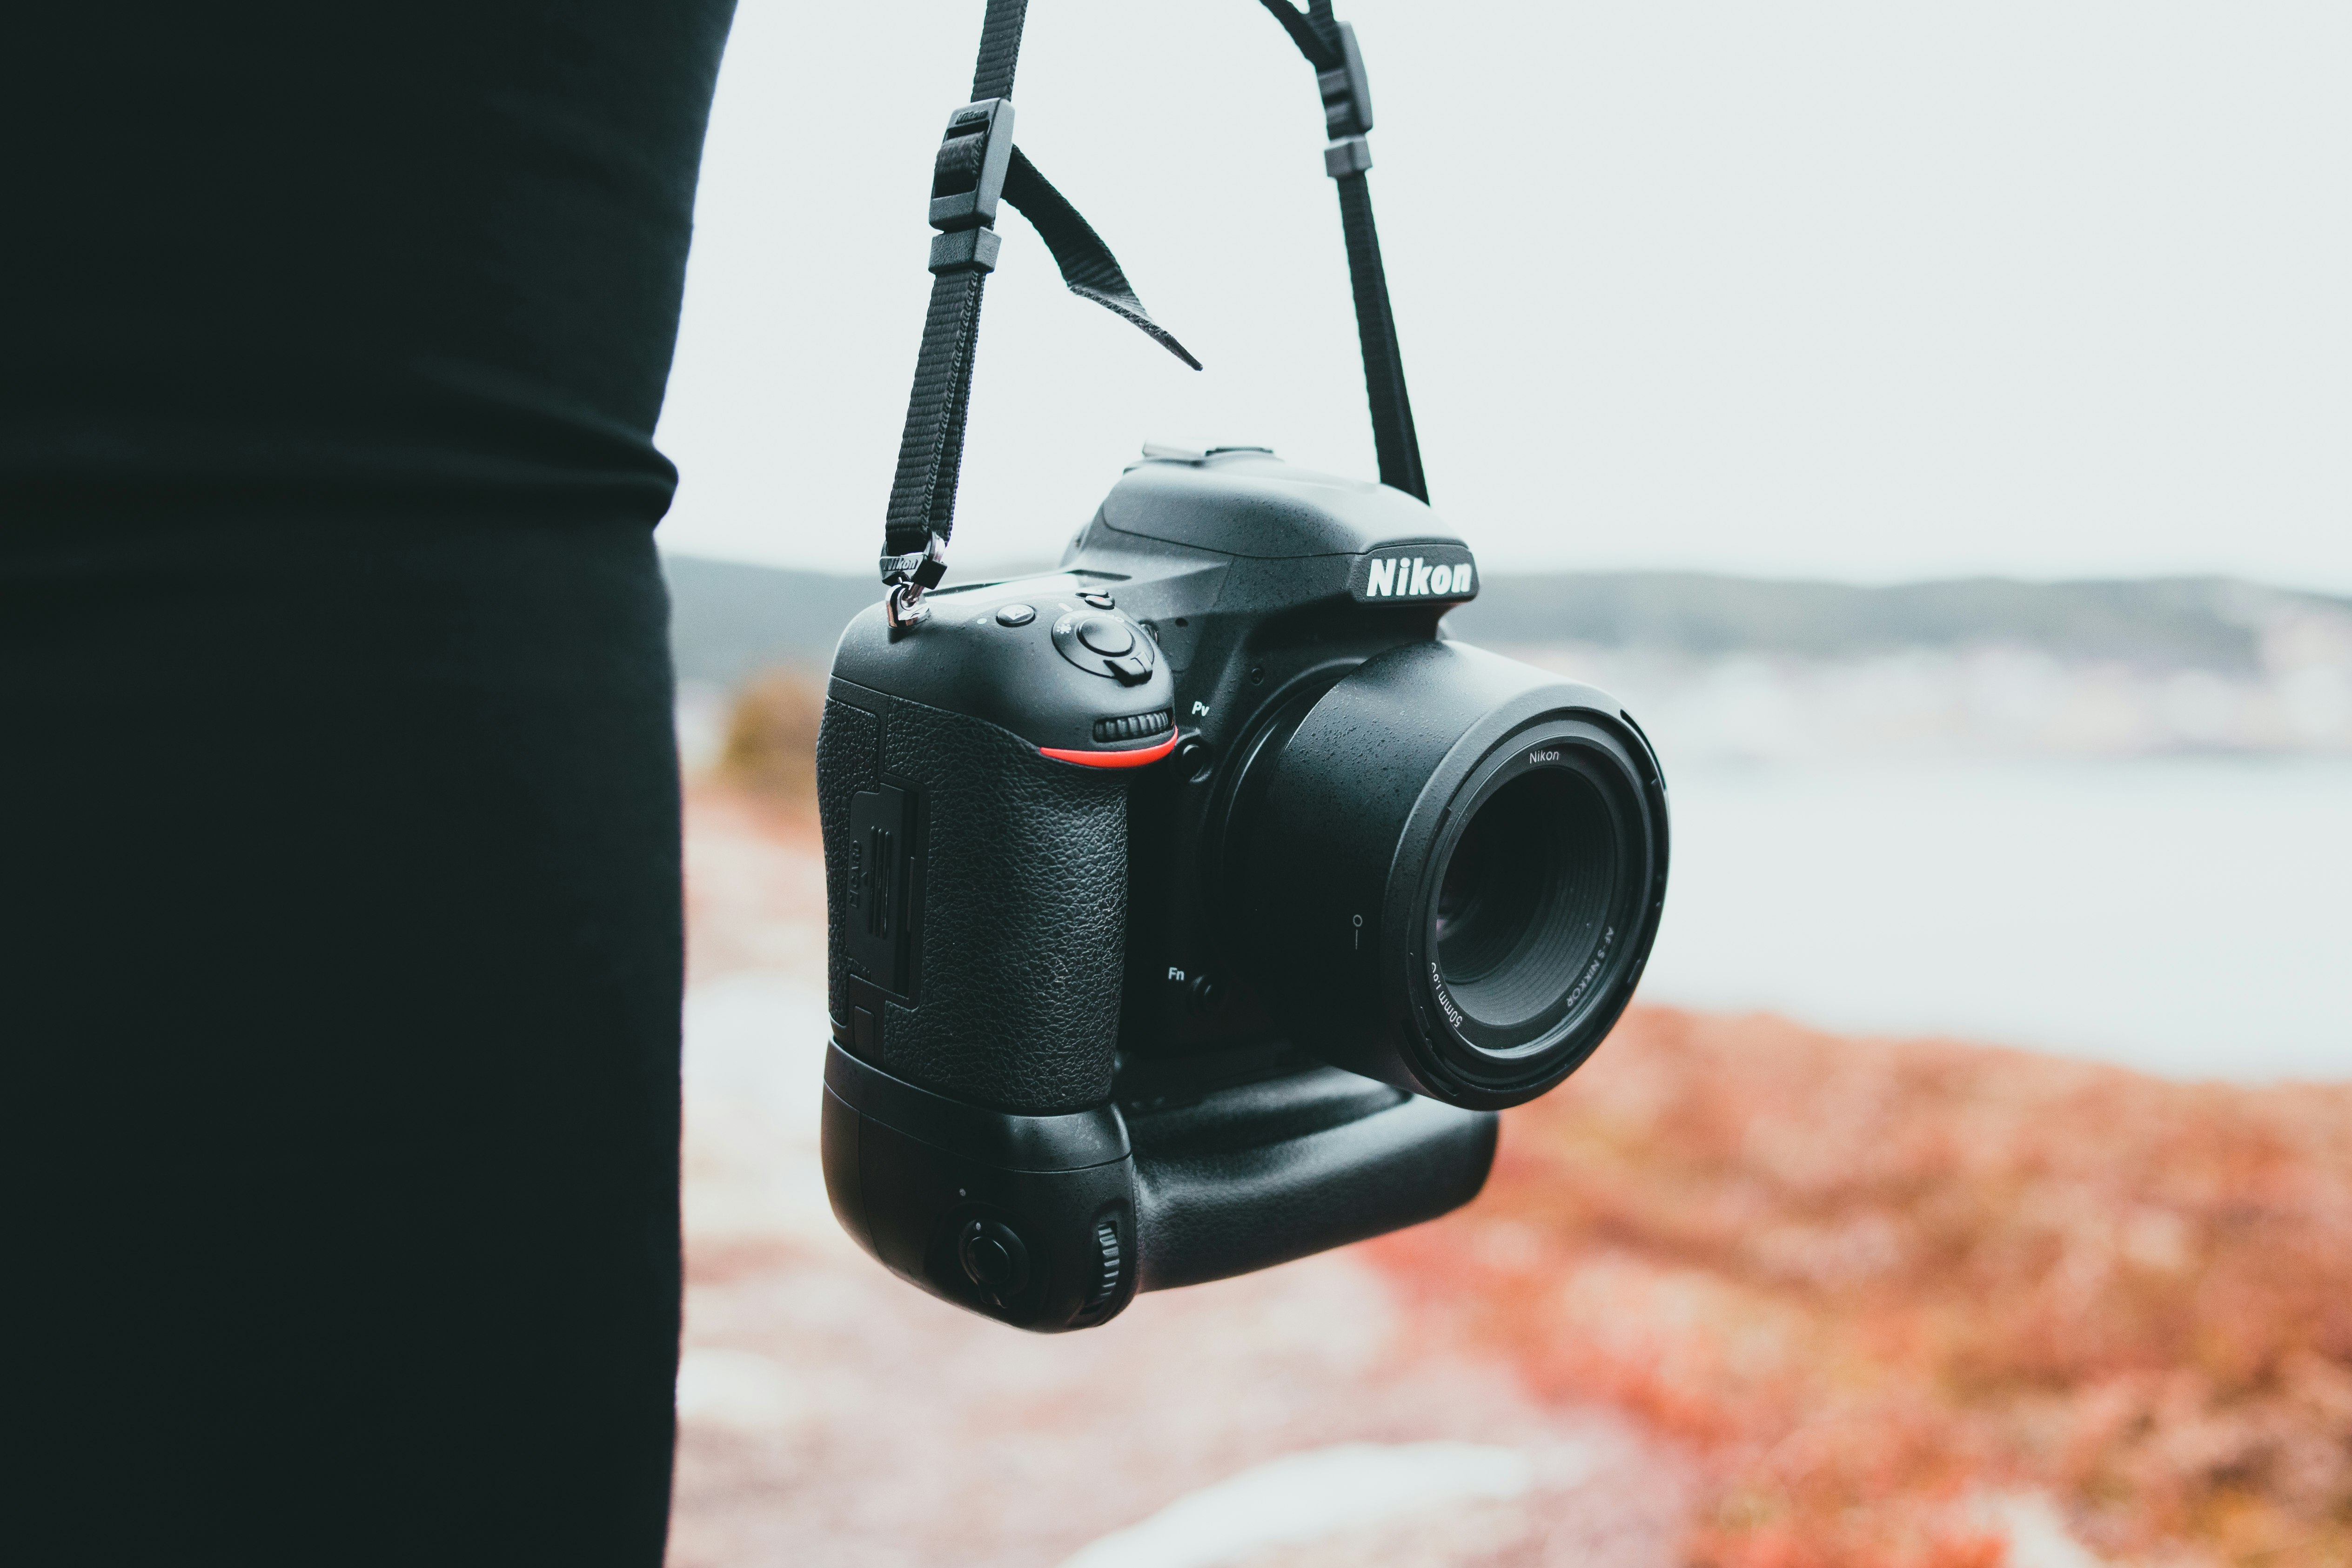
pixel 1444 870
pixel 1529 917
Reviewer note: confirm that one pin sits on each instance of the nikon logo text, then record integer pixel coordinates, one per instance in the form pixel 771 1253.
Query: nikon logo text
pixel 1412 577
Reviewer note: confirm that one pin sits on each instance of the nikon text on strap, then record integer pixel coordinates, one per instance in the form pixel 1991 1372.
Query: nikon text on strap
pixel 978 167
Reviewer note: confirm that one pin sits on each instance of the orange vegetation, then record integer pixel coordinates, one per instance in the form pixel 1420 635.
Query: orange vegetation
pixel 1878 1286
pixel 770 749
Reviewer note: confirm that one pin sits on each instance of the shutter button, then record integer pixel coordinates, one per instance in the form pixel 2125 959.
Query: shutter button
pixel 994 1260
pixel 1106 636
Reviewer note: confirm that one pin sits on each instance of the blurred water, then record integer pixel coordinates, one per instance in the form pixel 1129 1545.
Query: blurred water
pixel 2186 916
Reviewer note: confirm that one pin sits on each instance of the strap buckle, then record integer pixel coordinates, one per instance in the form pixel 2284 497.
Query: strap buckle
pixel 968 183
pixel 909 578
pixel 1347 109
pixel 1347 92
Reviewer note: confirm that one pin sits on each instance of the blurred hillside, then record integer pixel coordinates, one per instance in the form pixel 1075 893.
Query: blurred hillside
pixel 1741 667
pixel 2165 624
pixel 1724 667
pixel 729 619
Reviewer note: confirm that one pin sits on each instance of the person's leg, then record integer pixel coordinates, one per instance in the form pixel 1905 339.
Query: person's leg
pixel 339 881
pixel 339 902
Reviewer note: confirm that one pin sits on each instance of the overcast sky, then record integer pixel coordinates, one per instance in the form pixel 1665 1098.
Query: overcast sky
pixel 1864 290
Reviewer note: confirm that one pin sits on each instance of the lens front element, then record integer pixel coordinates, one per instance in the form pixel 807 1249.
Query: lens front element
pixel 1536 878
pixel 1524 896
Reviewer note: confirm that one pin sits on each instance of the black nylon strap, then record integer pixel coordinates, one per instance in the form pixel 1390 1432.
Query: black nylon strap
pixel 930 452
pixel 976 153
pixel 977 167
pixel 1393 439
pixel 1000 50
pixel 1329 46
pixel 1314 30
pixel 931 448
pixel 1089 269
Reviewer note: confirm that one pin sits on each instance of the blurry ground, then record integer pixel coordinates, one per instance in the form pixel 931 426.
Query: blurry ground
pixel 832 1416
pixel 1740 1295
pixel 1887 1289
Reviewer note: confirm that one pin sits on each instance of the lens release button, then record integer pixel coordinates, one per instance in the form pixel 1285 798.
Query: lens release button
pixel 1105 635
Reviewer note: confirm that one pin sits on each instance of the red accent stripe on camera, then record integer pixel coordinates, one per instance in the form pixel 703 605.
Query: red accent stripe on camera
pixel 1111 759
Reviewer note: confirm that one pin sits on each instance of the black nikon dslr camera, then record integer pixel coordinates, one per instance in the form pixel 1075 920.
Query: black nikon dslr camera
pixel 1195 907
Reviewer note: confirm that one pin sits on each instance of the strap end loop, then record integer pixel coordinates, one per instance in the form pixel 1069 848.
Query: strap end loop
pixel 1349 155
pixel 923 568
pixel 965 250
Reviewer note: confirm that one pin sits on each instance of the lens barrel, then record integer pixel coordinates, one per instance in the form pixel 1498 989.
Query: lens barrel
pixel 1447 868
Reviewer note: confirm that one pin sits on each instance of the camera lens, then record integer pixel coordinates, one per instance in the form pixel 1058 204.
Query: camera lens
pixel 1446 869
pixel 1523 898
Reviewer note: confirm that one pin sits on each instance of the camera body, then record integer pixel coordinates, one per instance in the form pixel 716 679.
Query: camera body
pixel 1197 906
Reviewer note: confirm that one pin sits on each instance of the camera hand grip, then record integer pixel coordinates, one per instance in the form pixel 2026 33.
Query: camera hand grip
pixel 1008 881
pixel 1264 1172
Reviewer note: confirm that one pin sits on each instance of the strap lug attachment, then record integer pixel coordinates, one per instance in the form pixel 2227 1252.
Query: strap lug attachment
pixel 909 578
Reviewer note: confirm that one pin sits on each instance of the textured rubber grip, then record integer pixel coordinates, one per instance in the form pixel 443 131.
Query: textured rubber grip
pixel 1020 917
pixel 1210 1210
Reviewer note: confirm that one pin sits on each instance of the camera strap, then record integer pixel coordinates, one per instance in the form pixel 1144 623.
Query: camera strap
pixel 1329 46
pixel 978 167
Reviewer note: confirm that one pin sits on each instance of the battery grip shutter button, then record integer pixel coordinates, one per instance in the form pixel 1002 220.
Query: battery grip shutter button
pixel 1106 636
pixel 1203 995
pixel 993 1258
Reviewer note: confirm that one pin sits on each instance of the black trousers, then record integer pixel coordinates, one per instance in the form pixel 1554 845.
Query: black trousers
pixel 340 932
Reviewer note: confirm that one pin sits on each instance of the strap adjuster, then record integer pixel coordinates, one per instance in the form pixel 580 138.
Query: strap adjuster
pixel 1347 93
pixel 968 175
